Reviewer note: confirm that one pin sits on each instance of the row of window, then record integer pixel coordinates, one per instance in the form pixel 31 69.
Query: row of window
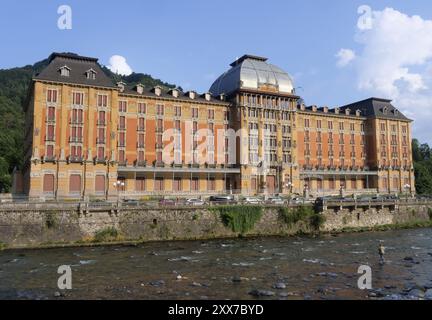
pixel 342 125
pixel 75 184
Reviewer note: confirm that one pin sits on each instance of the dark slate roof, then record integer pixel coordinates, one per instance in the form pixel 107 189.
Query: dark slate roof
pixel 376 108
pixel 165 94
pixel 78 66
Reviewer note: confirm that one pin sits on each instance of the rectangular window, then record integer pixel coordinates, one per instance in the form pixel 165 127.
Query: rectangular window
pixel 141 124
pixel 159 184
pixel 194 112
pixel 78 98
pixel 102 100
pixel 100 183
pixel 211 114
pixel 48 183
pixel 195 184
pixel 177 111
pixel 211 184
pixel 101 153
pixel 51 114
pixel 50 151
pixel 52 96
pixel 140 184
pixel 177 184
pixel 75 183
pixel 123 106
pixel 142 108
pixel 101 118
pixel 159 110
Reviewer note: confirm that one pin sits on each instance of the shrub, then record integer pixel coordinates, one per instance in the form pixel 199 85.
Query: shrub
pixel 2 246
pixel 302 213
pixel 106 235
pixel 292 216
pixel 240 219
pixel 50 219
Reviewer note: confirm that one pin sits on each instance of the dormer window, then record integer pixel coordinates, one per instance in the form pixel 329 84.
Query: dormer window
pixel 157 91
pixel 121 86
pixel 140 88
pixel 174 93
pixel 222 97
pixel 91 74
pixel 337 110
pixel 207 96
pixel 396 112
pixel 358 113
pixel 385 110
pixel 192 94
pixel 347 112
pixel 65 71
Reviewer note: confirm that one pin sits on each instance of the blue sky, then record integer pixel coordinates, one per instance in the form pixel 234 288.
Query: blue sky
pixel 191 42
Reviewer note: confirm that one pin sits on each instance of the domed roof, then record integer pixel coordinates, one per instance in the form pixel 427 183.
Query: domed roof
pixel 252 72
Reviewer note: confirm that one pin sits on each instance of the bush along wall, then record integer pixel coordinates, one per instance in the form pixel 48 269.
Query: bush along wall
pixel 304 214
pixel 240 219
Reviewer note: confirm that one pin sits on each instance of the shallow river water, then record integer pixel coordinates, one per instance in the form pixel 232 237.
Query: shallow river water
pixel 301 267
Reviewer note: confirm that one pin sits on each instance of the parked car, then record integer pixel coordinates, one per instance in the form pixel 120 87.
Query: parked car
pixel 252 200
pixel 167 202
pixel 297 200
pixel 194 202
pixel 275 200
pixel 222 199
pixel 131 202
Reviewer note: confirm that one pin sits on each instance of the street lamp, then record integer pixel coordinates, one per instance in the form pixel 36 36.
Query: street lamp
pixel 119 184
pixel 407 188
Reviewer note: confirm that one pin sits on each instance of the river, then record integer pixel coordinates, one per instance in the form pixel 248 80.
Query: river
pixel 300 267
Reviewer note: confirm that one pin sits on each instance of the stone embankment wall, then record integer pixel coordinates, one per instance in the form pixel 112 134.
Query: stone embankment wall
pixel 40 226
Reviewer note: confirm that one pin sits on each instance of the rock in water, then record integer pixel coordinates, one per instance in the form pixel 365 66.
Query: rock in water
pixel 261 293
pixel 279 286
pixel 428 294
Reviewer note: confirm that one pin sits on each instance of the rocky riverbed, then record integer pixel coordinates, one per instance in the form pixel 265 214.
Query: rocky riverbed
pixel 267 268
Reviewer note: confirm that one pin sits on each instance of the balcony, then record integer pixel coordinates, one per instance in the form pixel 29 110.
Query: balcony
pixel 76 122
pixel 140 145
pixel 75 159
pixel 100 141
pixel 159 130
pixel 159 146
pixel 50 138
pixel 121 144
pixel 75 139
pixel 101 123
pixel 141 129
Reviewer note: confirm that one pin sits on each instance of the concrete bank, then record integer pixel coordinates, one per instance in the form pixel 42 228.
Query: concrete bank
pixel 33 226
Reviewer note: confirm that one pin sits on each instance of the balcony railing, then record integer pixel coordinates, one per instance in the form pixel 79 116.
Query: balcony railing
pixel 100 141
pixel 75 139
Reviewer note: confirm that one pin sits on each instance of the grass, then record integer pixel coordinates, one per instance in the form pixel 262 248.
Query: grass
pixel 240 219
pixel 2 246
pixel 109 234
pixel 389 227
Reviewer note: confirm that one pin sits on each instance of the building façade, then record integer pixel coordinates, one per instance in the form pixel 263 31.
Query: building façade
pixel 87 137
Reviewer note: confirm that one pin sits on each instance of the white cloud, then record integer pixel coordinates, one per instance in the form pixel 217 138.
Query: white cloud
pixel 345 56
pixel 396 63
pixel 118 64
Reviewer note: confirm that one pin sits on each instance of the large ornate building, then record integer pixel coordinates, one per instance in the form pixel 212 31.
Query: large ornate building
pixel 87 137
